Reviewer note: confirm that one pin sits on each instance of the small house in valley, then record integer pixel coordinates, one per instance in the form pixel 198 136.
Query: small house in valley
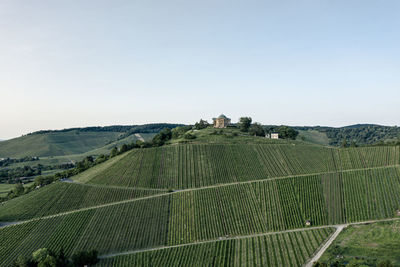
pixel 221 122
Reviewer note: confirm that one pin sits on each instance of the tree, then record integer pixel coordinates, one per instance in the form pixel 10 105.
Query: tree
pixel 344 143
pixel 202 124
pixel 124 148
pixel 256 129
pixel 18 189
pixel 40 254
pixel 385 263
pixel 244 123
pixel 178 132
pixel 113 152
pixel 83 258
pixel 162 137
pixel 287 132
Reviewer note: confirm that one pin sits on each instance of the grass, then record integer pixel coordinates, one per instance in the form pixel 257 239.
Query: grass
pixel 370 244
pixel 227 136
pixel 5 188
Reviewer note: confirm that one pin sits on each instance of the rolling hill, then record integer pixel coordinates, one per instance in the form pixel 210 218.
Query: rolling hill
pixel 71 141
pixel 216 200
pixel 358 134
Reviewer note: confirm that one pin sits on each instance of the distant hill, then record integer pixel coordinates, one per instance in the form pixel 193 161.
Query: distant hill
pixel 72 141
pixel 359 134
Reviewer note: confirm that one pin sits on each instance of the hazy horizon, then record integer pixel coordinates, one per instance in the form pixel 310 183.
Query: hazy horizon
pixel 97 63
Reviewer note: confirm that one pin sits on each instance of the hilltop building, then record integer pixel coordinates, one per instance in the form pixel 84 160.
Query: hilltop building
pixel 221 122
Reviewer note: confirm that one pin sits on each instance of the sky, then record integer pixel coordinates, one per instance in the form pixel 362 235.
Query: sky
pixel 86 63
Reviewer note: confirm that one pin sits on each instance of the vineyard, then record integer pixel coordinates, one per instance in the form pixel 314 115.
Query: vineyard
pixel 199 165
pixel 225 192
pixel 61 197
pixel 287 249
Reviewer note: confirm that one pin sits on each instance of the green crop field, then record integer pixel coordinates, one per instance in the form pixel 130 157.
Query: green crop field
pixel 217 204
pixel 288 249
pixel 198 165
pixel 61 197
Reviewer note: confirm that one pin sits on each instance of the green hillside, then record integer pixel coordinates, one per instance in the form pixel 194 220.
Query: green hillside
pixel 55 144
pixel 74 141
pixel 313 136
pixel 229 201
pixel 199 165
pixel 359 134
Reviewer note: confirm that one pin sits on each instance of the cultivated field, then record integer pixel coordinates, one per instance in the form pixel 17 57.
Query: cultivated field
pixel 227 204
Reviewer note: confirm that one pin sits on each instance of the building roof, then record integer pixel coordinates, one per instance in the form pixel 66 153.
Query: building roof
pixel 222 116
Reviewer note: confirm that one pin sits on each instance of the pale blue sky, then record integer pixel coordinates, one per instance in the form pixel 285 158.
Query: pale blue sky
pixel 83 63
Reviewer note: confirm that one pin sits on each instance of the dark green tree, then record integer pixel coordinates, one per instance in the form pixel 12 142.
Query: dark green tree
pixel 256 129
pixel 245 123
pixel 287 132
pixel 114 152
pixel 385 263
pixel 83 258
pixel 162 137
pixel 202 124
pixel 344 143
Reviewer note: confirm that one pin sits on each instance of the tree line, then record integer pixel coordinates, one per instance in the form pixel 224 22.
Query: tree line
pixel 44 257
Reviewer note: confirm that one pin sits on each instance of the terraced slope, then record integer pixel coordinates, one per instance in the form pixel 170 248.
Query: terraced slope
pixel 226 191
pixel 286 249
pixel 61 197
pixel 191 216
pixel 199 165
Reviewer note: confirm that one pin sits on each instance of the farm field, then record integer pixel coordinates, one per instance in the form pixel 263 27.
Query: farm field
pixel 61 197
pixel 286 249
pixel 366 244
pixel 203 197
pixel 190 216
pixel 199 165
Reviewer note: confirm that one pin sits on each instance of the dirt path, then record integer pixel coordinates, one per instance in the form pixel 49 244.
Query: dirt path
pixel 139 137
pixel 339 228
pixel 183 190
pixel 326 245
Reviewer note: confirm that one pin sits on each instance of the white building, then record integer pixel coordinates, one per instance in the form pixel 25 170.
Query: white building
pixel 274 136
